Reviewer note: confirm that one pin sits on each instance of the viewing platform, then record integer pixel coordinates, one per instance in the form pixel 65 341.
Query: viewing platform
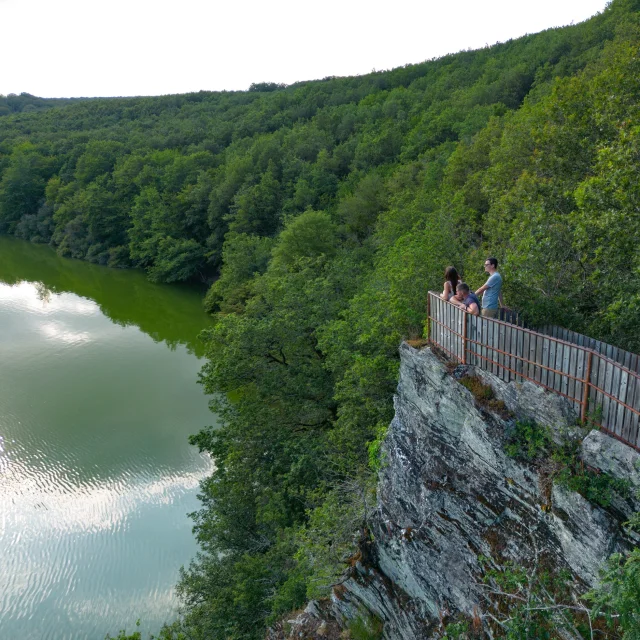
pixel 600 380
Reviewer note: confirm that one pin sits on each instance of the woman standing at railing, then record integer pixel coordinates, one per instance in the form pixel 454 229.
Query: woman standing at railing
pixel 451 280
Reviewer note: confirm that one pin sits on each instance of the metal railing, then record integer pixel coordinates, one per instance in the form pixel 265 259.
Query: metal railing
pixel 602 390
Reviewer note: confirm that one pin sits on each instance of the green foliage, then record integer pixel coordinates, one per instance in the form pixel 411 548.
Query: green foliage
pixel 376 453
pixel 244 257
pixel 529 441
pixel 366 627
pixel 309 235
pixel 26 103
pixel 123 635
pixel 633 524
pixel 534 443
pixel 456 630
pixel 536 602
pixel 618 596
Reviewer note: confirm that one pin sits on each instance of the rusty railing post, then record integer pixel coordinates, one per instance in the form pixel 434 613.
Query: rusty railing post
pixel 585 391
pixel 428 316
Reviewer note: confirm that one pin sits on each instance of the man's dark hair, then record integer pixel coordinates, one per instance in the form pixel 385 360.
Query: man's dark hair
pixel 462 287
pixel 493 261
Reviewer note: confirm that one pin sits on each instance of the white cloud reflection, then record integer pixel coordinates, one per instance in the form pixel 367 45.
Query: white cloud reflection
pixel 50 506
pixel 55 331
pixel 35 297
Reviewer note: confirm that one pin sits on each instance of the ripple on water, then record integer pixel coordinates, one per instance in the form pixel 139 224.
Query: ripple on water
pixel 96 476
pixel 70 549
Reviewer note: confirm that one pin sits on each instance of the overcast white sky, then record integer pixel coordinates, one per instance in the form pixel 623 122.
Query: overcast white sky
pixel 61 48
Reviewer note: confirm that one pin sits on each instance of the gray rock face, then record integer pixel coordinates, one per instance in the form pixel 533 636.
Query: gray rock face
pixel 448 494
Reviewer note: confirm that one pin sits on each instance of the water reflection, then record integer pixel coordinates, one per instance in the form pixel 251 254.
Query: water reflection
pixel 96 474
pixel 170 314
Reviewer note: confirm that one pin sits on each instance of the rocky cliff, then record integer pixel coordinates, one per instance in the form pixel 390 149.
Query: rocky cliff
pixel 452 505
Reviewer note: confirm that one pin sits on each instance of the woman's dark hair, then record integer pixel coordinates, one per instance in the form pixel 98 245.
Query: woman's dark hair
pixel 452 276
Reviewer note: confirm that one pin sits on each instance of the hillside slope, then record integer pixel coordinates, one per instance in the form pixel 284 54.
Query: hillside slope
pixel 328 209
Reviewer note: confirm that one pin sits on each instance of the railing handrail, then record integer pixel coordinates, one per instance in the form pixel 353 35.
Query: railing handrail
pixel 544 335
pixel 582 365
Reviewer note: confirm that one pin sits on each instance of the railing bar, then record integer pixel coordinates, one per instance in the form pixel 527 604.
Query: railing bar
pixel 531 365
pixel 615 391
pixel 552 361
pixel 585 388
pixel 443 325
pixel 495 343
pixel 452 332
pixel 623 387
pixel 580 372
pixel 531 362
pixel 513 332
pixel 541 385
pixel 566 367
pixel 557 384
pixel 539 351
pixel 626 406
pixel 447 331
pixel 483 336
pixel 544 361
pixel 465 322
pixel 459 313
pixel 520 350
pixel 475 332
pixel 611 379
pixel 491 342
pixel 513 348
pixel 595 376
pixel 557 371
pixel 630 400
pixel 554 339
pixel 453 355
pixel 635 423
pixel 501 351
pixel 442 314
pixel 608 374
pixel 573 367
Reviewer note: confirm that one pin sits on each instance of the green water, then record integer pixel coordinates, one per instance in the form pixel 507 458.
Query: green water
pixel 98 395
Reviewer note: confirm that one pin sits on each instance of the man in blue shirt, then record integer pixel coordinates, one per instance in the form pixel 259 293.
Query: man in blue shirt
pixel 491 290
pixel 466 299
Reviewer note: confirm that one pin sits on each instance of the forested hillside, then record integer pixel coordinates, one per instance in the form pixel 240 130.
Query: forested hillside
pixel 328 209
pixel 26 103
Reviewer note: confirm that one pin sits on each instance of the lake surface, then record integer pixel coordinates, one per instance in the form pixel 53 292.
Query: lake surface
pixel 98 394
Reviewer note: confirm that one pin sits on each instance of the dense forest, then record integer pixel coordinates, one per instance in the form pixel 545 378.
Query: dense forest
pixel 26 103
pixel 323 212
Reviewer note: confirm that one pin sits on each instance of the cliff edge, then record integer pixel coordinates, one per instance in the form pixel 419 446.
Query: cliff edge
pixel 453 505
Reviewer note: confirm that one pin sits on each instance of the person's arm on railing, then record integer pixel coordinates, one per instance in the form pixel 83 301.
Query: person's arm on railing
pixel 471 308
